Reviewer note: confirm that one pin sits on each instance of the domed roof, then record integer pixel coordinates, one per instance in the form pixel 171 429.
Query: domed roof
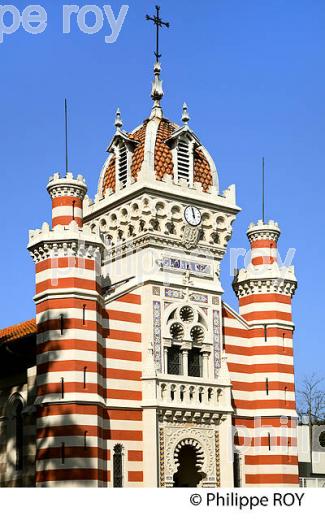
pixel 159 147
pixel 163 158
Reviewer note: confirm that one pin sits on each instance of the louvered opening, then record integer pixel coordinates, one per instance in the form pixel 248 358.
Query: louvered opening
pixel 183 160
pixel 123 165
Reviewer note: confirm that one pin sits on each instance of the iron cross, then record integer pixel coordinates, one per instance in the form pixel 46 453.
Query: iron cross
pixel 159 23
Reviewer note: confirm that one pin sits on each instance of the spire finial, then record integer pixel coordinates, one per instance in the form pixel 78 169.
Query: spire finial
pixel 185 114
pixel 118 120
pixel 157 92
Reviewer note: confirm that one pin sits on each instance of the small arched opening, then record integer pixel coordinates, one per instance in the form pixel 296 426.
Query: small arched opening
pixel 15 434
pixel 189 459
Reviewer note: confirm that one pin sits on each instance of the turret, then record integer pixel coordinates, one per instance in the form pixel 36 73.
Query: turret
pixel 263 375
pixel 70 390
pixel 265 287
pixel 263 238
pixel 67 196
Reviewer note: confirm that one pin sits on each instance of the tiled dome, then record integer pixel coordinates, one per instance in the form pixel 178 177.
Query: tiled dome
pixel 163 158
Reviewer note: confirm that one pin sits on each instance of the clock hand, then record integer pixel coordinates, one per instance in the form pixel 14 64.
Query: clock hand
pixel 193 212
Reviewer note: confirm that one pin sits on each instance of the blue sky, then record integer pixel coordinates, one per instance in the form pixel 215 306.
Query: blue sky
pixel 253 76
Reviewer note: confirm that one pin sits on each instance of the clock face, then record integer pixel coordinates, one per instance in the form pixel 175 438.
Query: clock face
pixel 192 215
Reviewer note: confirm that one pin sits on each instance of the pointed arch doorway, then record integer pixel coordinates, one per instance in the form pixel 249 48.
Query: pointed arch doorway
pixel 189 458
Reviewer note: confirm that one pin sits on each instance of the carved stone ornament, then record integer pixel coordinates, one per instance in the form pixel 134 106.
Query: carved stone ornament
pixel 216 343
pixel 191 236
pixel 157 334
pixel 202 440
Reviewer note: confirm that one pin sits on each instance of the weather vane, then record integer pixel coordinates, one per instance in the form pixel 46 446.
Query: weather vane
pixel 159 23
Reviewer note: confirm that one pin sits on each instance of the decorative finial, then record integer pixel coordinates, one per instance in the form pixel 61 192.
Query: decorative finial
pixel 118 120
pixel 185 114
pixel 157 92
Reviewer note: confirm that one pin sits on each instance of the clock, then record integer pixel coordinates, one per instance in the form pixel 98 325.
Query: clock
pixel 192 215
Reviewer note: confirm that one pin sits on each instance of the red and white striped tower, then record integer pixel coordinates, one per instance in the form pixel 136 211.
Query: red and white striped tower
pixel 263 240
pixel 70 390
pixel 67 196
pixel 264 393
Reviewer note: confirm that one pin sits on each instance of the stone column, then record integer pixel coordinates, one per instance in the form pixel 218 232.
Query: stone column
pixel 185 362
pixel 185 348
pixel 205 364
pixel 167 343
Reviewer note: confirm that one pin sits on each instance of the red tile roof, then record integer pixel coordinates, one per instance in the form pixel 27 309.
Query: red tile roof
pixel 138 155
pixel 202 170
pixel 109 176
pixel 163 158
pixel 19 331
pixel 163 155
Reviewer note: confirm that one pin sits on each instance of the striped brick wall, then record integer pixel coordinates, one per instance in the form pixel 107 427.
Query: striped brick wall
pixel 258 342
pixel 71 364
pixel 106 349
pixel 124 387
pixel 263 399
pixel 65 209
pixel 70 374
pixel 89 355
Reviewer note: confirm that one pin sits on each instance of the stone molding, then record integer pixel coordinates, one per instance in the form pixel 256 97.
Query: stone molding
pixel 275 285
pixel 163 221
pixel 202 438
pixel 64 241
pixel 67 186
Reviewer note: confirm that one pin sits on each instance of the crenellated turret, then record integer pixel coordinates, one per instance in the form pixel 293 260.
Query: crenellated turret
pixel 262 369
pixel 70 360
pixel 265 287
pixel 67 194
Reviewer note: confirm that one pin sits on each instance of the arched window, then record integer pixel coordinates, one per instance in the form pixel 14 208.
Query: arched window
pixel 118 466
pixel 15 433
pixel 237 470
pixel 321 439
pixel 19 434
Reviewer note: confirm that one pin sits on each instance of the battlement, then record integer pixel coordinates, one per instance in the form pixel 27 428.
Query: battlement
pixel 169 187
pixel 264 231
pixel 67 240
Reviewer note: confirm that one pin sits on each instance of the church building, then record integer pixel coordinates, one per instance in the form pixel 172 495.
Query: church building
pixel 134 371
